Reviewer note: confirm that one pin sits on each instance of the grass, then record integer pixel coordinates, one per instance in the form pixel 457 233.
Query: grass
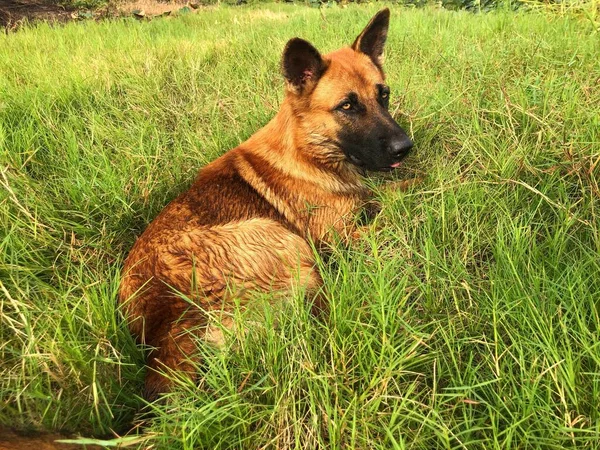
pixel 467 318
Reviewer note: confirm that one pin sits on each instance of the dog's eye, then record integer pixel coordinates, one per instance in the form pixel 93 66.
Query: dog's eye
pixel 346 106
pixel 384 96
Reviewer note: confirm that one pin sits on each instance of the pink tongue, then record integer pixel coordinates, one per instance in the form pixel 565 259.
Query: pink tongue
pixel 396 165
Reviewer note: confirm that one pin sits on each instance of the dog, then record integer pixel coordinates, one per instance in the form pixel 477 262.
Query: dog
pixel 253 217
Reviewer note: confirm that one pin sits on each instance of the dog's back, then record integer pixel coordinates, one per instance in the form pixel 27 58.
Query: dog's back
pixel 249 219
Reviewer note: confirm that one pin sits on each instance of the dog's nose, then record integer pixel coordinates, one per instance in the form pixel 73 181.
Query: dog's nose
pixel 400 146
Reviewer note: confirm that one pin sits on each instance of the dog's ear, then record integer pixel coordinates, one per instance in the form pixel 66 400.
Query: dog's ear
pixel 372 39
pixel 302 65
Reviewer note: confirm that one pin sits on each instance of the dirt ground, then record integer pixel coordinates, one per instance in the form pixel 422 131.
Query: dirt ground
pixel 10 440
pixel 15 12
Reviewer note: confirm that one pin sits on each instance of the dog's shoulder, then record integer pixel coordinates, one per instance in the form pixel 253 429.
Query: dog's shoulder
pixel 220 195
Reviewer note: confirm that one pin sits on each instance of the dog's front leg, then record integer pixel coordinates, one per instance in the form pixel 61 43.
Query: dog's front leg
pixel 372 208
pixel 403 185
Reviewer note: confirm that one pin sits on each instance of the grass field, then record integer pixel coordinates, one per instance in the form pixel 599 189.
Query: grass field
pixel 468 318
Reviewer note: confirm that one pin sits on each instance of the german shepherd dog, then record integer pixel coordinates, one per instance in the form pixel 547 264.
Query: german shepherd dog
pixel 251 218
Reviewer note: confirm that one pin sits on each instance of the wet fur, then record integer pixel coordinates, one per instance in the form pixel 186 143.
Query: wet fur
pixel 249 219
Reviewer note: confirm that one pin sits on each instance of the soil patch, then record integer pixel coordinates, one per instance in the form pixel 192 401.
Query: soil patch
pixel 10 440
pixel 14 13
pixel 152 7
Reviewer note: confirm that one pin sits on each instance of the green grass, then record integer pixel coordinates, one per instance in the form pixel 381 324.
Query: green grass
pixel 468 318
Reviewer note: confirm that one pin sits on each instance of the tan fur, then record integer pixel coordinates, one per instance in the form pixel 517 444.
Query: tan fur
pixel 248 223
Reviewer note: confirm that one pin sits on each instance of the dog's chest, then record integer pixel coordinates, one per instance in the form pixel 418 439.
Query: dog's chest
pixel 332 215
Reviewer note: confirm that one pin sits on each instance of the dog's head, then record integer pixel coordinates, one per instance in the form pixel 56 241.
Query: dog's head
pixel 341 100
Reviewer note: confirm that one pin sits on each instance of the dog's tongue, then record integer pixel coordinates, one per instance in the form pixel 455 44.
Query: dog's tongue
pixel 396 164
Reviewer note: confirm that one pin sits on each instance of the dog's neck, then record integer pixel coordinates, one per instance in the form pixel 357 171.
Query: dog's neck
pixel 303 153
